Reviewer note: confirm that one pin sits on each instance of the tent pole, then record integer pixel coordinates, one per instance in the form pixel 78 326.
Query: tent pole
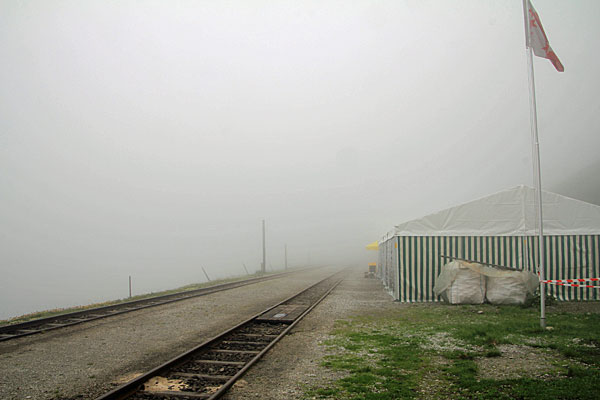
pixel 536 166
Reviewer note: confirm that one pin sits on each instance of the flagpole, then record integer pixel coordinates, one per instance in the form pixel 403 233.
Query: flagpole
pixel 536 166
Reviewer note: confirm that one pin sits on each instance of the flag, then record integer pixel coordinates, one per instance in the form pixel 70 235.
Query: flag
pixel 538 41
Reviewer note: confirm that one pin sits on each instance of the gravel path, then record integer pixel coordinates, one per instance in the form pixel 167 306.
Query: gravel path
pixel 87 360
pixel 293 363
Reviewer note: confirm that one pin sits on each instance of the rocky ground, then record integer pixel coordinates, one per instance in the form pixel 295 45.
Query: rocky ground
pixel 93 358
pixel 87 360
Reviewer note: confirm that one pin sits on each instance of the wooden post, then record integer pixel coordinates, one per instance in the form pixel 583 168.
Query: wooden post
pixel 264 248
pixel 205 273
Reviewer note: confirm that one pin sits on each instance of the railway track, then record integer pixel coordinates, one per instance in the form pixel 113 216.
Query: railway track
pixel 41 325
pixel 210 369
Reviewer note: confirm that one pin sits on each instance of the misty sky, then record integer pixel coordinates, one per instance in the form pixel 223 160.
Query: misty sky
pixel 151 138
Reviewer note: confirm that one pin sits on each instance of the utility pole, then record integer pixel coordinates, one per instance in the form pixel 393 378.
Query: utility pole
pixel 285 248
pixel 264 261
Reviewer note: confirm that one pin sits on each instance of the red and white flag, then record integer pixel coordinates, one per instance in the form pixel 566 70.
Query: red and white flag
pixel 538 41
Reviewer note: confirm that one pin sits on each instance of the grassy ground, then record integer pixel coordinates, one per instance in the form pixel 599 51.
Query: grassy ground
pixel 437 351
pixel 59 311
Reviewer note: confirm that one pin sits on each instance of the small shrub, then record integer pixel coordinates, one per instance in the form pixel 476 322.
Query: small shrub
pixel 493 353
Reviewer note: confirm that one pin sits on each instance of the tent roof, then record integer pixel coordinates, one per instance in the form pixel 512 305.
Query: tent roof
pixel 508 213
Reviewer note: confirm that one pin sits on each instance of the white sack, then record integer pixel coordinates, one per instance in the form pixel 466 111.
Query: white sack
pixel 512 288
pixel 460 284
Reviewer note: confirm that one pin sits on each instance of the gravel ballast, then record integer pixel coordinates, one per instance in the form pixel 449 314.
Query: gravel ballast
pixel 87 360
pixel 294 362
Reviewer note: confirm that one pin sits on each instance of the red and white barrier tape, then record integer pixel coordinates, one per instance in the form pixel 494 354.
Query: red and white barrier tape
pixel 562 283
pixel 572 280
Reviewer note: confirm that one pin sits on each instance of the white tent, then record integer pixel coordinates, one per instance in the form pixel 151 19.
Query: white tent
pixel 499 229
pixel 506 213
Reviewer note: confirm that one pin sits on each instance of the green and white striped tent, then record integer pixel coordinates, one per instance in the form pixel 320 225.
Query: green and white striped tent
pixel 499 229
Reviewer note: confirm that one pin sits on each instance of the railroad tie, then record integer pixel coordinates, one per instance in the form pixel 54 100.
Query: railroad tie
pixel 258 335
pixel 176 394
pixel 6 335
pixel 235 351
pixel 220 362
pixel 26 331
pixel 241 342
pixel 223 378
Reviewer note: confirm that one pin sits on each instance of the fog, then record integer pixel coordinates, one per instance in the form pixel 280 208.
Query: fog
pixel 151 138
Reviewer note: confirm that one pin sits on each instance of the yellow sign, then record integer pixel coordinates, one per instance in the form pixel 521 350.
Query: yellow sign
pixel 373 246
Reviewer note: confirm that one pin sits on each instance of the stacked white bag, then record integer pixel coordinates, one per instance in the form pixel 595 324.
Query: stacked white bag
pixel 509 287
pixel 461 282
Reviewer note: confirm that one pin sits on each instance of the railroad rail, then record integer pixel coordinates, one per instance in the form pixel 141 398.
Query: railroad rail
pixel 210 369
pixel 13 331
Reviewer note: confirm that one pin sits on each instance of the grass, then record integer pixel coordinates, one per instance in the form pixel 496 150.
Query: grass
pixel 434 351
pixel 60 311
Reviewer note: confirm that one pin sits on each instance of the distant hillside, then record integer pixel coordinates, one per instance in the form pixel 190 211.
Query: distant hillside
pixel 584 185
